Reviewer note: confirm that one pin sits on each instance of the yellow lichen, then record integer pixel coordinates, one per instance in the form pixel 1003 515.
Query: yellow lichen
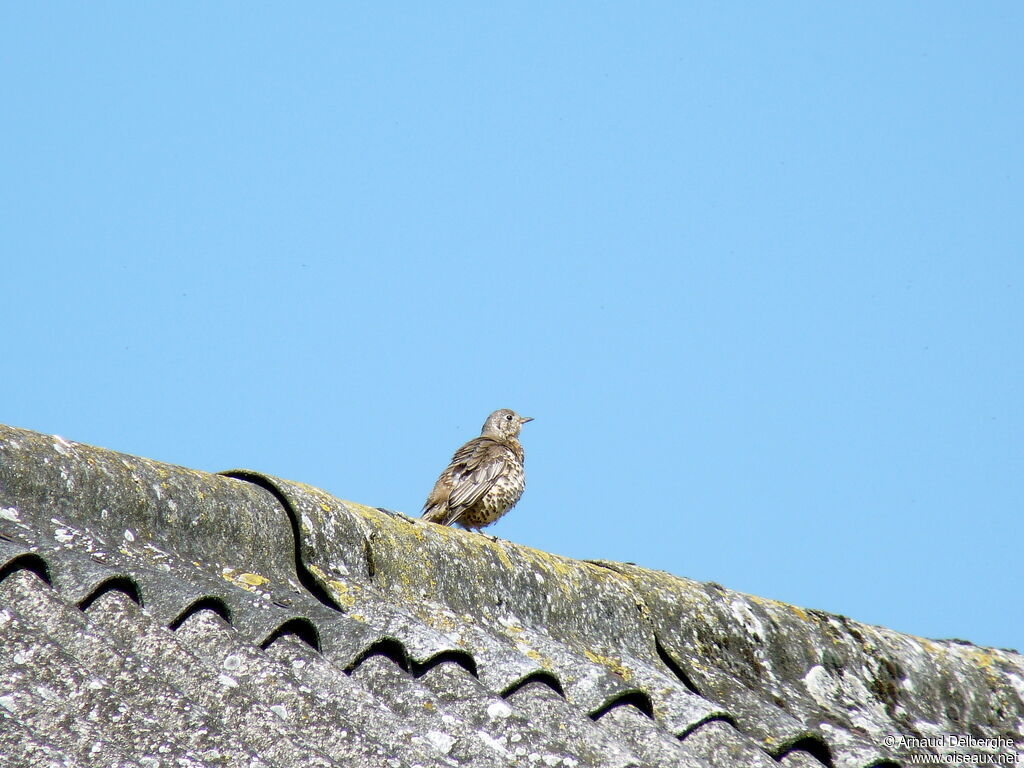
pixel 610 663
pixel 502 555
pixel 342 593
pixel 544 660
pixel 932 648
pixel 361 509
pixel 248 581
pixel 800 612
pixel 439 621
pixel 252 579
pixel 983 659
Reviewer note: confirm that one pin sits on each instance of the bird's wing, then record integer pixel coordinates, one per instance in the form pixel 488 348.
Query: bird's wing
pixel 476 467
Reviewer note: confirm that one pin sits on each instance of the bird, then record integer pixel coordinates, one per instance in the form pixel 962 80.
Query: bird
pixel 485 477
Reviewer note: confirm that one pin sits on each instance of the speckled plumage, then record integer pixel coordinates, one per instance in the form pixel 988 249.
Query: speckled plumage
pixel 485 477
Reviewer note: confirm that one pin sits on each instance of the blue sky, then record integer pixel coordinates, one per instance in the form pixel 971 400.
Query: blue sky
pixel 756 271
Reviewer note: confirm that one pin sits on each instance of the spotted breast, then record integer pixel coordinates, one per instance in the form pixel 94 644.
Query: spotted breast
pixel 485 478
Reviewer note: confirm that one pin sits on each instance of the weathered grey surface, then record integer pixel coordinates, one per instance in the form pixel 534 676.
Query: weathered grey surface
pixel 152 615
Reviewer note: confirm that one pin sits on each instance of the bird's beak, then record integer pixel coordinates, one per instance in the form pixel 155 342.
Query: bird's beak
pixel 524 419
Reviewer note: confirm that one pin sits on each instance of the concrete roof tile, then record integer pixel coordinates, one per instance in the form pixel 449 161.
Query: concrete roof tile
pixel 178 617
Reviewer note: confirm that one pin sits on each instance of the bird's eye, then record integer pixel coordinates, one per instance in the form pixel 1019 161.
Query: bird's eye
pixel 508 417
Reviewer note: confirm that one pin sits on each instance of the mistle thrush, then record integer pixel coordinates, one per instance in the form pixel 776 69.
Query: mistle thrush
pixel 485 478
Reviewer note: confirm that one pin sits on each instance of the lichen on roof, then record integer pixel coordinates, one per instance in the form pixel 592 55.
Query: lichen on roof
pixel 255 599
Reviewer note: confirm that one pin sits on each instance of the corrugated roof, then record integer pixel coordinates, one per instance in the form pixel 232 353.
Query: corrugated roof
pixel 155 615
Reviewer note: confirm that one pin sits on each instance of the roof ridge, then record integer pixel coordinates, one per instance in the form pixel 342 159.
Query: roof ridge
pixel 274 551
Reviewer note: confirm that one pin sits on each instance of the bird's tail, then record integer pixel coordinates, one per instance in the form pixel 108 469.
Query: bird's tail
pixel 435 513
